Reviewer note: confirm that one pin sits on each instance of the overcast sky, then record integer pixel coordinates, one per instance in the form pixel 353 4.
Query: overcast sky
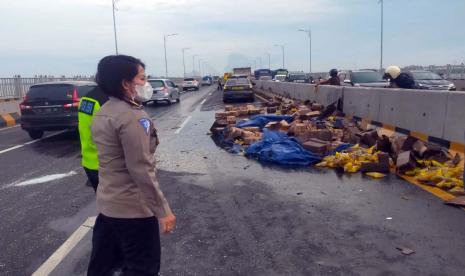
pixel 70 36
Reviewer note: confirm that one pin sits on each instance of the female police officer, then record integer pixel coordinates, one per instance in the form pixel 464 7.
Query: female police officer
pixel 129 199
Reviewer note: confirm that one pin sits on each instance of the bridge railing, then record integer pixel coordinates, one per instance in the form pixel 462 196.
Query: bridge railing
pixel 14 88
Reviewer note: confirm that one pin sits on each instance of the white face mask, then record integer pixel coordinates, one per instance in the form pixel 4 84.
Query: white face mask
pixel 144 92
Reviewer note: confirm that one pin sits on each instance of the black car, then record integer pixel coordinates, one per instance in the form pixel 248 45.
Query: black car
pixel 299 77
pixel 238 87
pixel 52 106
pixel 430 80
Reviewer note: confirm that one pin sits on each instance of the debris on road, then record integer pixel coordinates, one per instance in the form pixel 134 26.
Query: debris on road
pixel 458 201
pixel 292 133
pixel 405 250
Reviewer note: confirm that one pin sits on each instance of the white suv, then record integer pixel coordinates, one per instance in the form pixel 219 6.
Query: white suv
pixel 190 83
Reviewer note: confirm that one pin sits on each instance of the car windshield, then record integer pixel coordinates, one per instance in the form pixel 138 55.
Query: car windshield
pixel 237 81
pixel 298 77
pixel 84 90
pixel 426 76
pixel 51 92
pixel 366 77
pixel 189 79
pixel 156 83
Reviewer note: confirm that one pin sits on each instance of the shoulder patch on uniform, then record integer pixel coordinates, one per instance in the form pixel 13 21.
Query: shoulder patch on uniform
pixel 87 107
pixel 145 123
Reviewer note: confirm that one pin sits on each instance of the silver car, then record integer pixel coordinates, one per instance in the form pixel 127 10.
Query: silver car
pixel 164 90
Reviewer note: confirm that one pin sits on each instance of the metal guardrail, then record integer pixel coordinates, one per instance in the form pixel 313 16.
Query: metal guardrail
pixel 18 87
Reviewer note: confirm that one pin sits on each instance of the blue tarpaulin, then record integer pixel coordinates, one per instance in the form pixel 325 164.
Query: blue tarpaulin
pixel 262 120
pixel 276 147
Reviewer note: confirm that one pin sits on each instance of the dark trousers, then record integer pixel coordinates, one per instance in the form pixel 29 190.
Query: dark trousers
pixel 130 244
pixel 92 175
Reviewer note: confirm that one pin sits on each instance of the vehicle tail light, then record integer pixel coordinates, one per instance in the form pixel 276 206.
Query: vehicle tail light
pixel 75 100
pixel 24 105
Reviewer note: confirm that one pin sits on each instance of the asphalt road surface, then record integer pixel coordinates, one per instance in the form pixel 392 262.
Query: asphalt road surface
pixel 235 216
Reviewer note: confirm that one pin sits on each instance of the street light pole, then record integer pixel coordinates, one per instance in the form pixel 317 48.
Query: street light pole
pixel 282 48
pixel 193 65
pixel 309 32
pixel 382 33
pixel 183 60
pixel 166 59
pixel 200 71
pixel 114 26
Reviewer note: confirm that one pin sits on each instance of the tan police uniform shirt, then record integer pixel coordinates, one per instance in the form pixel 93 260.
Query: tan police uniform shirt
pixel 126 140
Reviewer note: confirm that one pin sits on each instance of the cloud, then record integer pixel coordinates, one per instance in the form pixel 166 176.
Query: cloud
pixel 69 37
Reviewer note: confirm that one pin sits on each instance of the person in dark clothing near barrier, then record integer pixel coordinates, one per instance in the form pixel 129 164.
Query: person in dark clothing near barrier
pixel 398 79
pixel 333 79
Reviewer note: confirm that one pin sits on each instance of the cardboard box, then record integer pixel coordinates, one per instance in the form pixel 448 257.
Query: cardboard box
pixel 231 120
pixel 315 146
pixel 252 129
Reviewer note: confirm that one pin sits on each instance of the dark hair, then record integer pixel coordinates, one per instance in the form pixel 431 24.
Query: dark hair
pixel 112 70
pixel 333 73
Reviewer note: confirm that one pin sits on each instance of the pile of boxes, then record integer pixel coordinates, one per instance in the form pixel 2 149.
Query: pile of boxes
pixel 321 130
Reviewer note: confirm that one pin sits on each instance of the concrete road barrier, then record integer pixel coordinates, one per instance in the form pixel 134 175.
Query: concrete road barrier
pixel 425 113
pixel 328 94
pixel 416 110
pixel 363 103
pixel 454 123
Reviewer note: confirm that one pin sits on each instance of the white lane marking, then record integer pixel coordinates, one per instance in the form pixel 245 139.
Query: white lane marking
pixel 12 148
pixel 43 179
pixel 183 124
pixel 6 128
pixel 57 257
pixel 31 142
pixel 204 100
pixel 210 94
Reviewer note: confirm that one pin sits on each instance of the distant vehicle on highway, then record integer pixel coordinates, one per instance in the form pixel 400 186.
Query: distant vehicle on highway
pixel 299 77
pixel 280 78
pixel 282 72
pixel 263 74
pixel 429 80
pixel 226 76
pixel 207 80
pixel 364 78
pixel 52 106
pixel 238 88
pixel 247 71
pixel 190 83
pixel 265 78
pixel 164 90
pixel 215 79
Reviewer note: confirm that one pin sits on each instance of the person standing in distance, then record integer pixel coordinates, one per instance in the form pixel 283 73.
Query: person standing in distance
pixel 132 207
pixel 89 105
